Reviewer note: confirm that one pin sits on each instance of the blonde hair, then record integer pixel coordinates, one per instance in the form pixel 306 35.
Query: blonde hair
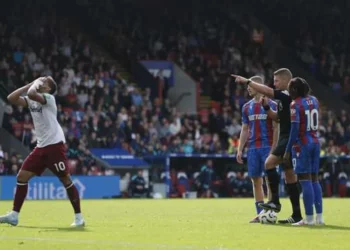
pixel 284 73
pixel 257 79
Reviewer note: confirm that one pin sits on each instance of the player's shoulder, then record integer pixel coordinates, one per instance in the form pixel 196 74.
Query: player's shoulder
pixel 282 95
pixel 48 96
pixel 248 103
pixel 313 98
pixel 281 92
pixel 285 92
pixel 31 103
pixel 245 105
pixel 272 102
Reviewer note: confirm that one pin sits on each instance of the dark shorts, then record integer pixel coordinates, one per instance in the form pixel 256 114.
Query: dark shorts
pixel 281 149
pixel 52 157
pixel 281 146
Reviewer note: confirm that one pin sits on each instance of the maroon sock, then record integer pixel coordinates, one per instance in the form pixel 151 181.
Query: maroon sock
pixel 73 195
pixel 21 193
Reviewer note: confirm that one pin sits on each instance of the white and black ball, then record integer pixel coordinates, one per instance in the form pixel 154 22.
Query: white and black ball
pixel 268 217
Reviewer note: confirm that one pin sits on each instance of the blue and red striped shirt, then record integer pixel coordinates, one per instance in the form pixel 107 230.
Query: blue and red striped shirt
pixel 260 125
pixel 305 111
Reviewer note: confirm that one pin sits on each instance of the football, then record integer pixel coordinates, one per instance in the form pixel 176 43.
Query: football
pixel 268 217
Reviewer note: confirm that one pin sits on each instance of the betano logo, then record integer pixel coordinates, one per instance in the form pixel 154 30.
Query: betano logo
pixel 50 191
pixel 257 117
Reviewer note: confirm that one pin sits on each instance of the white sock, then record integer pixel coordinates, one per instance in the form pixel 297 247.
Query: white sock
pixel 14 213
pixel 78 216
pixel 319 217
pixel 309 218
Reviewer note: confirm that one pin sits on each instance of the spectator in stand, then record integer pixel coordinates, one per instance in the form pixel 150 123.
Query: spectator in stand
pixel 206 178
pixel 3 169
pixel 137 186
pixel 95 99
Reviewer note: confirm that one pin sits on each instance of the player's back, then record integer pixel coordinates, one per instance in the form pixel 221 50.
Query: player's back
pixel 308 112
pixel 47 129
pixel 260 125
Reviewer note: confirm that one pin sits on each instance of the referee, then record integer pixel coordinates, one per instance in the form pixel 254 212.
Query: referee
pixel 281 95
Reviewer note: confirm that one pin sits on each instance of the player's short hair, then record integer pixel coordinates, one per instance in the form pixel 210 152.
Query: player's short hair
pixel 257 79
pixel 284 72
pixel 299 86
pixel 52 85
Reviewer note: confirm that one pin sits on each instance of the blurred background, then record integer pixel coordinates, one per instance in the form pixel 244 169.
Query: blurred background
pixel 145 95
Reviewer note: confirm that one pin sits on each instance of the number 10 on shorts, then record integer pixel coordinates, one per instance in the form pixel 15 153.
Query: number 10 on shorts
pixel 60 166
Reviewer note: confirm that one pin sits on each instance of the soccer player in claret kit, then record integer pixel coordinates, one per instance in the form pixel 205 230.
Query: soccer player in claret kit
pixel 262 134
pixel 50 150
pixel 305 147
pixel 281 79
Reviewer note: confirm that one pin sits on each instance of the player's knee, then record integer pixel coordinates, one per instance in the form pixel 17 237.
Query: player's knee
pixel 23 176
pixel 257 181
pixel 66 180
pixel 271 162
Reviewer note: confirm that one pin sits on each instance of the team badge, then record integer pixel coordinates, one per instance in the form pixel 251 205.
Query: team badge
pixel 280 106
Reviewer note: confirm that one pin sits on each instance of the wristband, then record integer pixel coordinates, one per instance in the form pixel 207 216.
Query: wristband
pixel 266 108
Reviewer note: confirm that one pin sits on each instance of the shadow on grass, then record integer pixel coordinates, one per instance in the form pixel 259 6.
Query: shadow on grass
pixel 59 229
pixel 325 227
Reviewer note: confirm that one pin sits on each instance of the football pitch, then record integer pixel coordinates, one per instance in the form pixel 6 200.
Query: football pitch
pixel 169 224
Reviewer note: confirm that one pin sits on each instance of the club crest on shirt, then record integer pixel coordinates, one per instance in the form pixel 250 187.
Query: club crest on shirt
pixel 35 107
pixel 280 106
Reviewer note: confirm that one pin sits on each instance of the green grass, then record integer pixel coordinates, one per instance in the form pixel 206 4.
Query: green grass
pixel 169 224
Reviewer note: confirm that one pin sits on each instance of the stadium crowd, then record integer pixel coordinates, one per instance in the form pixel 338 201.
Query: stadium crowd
pixel 319 35
pixel 98 108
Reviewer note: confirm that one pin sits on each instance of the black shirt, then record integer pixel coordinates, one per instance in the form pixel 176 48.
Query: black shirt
pixel 283 111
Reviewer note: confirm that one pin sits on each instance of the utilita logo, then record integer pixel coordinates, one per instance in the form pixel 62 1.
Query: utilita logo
pixel 51 191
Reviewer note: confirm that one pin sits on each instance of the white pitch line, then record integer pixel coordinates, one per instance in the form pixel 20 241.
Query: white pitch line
pixel 112 243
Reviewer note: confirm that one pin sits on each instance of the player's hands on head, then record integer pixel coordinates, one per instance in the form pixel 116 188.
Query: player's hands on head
pixel 240 79
pixel 286 158
pixel 239 157
pixel 39 82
